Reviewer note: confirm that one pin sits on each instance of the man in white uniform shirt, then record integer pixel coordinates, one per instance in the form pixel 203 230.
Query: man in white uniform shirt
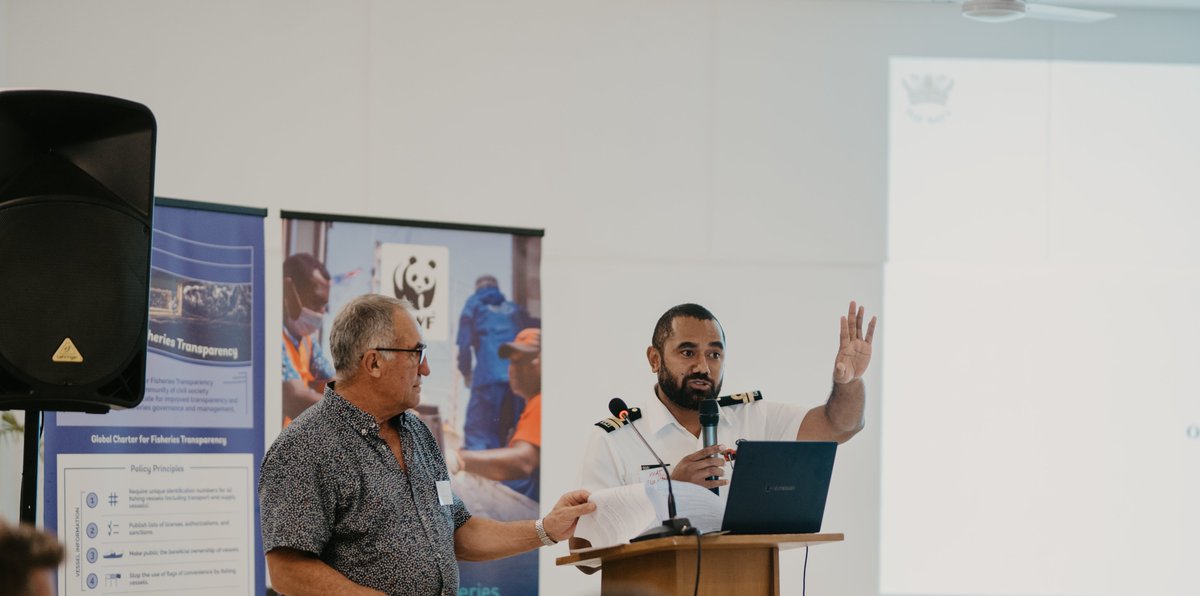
pixel 687 354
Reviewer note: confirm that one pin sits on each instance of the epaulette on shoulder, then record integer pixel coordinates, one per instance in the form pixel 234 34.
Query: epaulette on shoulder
pixel 739 398
pixel 613 423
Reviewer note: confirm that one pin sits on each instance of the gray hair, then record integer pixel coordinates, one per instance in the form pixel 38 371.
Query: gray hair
pixel 364 323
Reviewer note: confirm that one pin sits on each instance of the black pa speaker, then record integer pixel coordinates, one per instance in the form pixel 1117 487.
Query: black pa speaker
pixel 76 202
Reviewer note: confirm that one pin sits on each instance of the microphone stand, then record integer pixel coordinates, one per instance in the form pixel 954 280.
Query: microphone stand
pixel 672 526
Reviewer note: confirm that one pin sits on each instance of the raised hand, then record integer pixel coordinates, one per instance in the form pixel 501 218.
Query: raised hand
pixel 854 350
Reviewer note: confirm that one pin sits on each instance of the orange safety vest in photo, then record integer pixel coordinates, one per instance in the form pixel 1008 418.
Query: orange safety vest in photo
pixel 301 360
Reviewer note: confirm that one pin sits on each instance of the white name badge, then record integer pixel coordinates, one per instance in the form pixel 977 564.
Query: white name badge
pixel 652 475
pixel 445 497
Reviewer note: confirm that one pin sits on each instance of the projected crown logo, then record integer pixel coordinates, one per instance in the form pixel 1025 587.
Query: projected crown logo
pixel 927 96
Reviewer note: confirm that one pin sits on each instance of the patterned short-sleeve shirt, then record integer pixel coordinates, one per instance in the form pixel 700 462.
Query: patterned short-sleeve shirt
pixel 330 486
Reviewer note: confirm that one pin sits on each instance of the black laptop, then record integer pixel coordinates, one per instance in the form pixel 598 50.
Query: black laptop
pixel 779 487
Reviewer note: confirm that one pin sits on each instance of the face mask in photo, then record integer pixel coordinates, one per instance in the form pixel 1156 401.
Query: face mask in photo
pixel 307 323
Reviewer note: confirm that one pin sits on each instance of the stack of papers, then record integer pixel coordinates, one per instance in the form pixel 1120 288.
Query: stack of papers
pixel 626 511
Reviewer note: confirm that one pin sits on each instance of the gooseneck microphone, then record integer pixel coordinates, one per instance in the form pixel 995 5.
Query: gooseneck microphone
pixel 672 526
pixel 710 415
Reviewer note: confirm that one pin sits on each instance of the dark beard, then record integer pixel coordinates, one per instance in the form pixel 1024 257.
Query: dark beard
pixel 680 395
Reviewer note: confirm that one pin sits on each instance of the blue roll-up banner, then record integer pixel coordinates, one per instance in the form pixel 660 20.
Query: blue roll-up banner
pixel 161 498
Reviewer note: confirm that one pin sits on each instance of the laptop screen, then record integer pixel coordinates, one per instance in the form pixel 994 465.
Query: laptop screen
pixel 779 487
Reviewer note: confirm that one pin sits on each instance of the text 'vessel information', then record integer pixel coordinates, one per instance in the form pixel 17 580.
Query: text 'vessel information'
pixel 162 524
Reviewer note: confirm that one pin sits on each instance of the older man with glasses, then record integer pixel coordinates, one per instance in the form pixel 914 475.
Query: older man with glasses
pixel 355 495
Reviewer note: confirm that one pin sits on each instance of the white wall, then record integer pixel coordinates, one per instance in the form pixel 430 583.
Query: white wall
pixel 729 153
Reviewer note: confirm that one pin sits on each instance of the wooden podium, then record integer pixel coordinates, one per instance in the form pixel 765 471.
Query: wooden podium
pixel 744 564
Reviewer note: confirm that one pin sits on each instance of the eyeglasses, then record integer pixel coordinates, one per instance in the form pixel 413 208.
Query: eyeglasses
pixel 419 351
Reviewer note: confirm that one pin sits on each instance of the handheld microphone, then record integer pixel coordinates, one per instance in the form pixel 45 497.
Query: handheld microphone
pixel 673 526
pixel 710 415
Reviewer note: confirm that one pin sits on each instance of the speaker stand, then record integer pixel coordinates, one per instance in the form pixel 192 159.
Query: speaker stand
pixel 29 472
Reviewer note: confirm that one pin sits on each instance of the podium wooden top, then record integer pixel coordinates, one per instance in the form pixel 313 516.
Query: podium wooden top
pixel 595 556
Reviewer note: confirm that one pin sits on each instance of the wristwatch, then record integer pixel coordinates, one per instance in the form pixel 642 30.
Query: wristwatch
pixel 542 535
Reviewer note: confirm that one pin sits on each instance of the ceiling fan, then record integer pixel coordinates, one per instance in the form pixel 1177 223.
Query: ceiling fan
pixel 1001 11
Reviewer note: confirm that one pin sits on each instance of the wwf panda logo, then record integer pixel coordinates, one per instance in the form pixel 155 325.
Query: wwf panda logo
pixel 416 282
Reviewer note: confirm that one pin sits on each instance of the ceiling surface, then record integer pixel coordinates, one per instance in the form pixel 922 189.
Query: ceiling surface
pixel 1103 4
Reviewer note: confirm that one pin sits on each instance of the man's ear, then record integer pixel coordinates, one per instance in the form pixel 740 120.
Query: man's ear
pixel 654 358
pixel 291 299
pixel 372 363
